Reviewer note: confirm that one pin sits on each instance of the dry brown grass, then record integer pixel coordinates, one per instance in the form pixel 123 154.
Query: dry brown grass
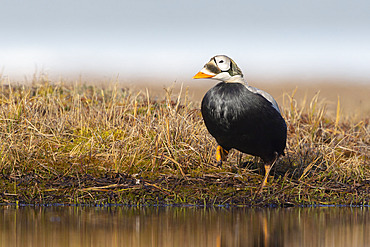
pixel 91 144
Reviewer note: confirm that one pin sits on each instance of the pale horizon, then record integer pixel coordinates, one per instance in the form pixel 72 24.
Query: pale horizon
pixel 171 41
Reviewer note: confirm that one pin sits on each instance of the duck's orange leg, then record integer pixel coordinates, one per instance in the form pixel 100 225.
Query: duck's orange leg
pixel 221 155
pixel 268 167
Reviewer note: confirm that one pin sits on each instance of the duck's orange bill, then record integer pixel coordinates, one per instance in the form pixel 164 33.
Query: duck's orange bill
pixel 202 75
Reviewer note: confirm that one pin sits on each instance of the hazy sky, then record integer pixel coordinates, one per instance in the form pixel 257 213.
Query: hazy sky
pixel 173 39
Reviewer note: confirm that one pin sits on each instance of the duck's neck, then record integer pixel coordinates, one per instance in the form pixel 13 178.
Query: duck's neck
pixel 237 79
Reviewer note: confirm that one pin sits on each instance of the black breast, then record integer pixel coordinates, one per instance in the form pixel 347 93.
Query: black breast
pixel 238 118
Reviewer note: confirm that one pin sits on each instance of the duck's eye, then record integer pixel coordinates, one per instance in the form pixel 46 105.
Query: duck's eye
pixel 222 63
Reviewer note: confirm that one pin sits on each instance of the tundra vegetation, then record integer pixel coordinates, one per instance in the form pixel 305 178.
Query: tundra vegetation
pixel 75 143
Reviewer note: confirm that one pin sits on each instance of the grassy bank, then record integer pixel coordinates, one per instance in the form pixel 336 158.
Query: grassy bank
pixel 64 143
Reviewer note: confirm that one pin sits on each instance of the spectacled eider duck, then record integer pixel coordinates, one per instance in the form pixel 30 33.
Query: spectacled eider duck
pixel 240 116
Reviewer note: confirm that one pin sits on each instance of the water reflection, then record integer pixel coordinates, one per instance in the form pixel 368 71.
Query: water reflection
pixel 168 226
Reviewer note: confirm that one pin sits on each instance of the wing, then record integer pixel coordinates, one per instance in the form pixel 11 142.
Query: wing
pixel 265 95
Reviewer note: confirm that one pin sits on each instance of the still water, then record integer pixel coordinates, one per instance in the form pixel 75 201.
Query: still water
pixel 183 226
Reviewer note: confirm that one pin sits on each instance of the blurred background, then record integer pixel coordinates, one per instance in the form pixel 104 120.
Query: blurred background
pixel 291 42
pixel 172 40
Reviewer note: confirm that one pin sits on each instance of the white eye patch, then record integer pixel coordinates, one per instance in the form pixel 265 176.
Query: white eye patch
pixel 223 62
